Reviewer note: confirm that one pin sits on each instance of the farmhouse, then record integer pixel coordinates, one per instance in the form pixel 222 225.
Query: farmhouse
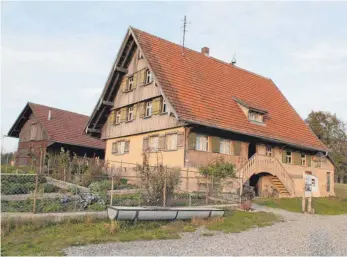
pixel 46 129
pixel 192 108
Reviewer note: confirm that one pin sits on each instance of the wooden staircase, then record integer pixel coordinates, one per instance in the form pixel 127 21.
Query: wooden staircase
pixel 279 186
pixel 261 163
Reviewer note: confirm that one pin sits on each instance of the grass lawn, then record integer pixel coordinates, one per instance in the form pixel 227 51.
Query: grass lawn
pixel 50 239
pixel 322 205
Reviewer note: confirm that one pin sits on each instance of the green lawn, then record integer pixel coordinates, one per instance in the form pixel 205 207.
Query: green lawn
pixel 322 205
pixel 50 239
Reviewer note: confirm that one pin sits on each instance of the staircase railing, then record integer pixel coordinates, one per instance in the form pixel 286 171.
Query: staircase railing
pixel 261 163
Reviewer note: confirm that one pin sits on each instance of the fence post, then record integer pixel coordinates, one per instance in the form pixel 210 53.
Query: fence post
pixel 187 180
pixel 207 190
pixel 112 186
pixel 190 199
pixel 64 174
pixel 35 191
pixel 164 188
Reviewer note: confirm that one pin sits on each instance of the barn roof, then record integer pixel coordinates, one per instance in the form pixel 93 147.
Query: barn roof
pixel 64 126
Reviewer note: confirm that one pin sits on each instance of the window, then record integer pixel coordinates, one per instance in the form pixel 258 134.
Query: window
pixel 303 159
pixel 154 143
pixel 268 150
pixel 224 146
pixel 118 147
pixel 202 143
pixel 131 84
pixel 255 116
pixel 288 157
pixel 171 142
pixel 148 109
pixel 130 113
pixel 164 106
pixel 140 56
pixel 118 117
pixel 148 77
pixel 328 181
pixel 33 131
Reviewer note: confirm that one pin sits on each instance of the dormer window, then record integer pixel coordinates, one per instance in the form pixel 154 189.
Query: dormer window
pixel 255 116
pixel 140 56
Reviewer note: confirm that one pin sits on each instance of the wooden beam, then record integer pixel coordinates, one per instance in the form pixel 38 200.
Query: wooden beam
pixel 94 130
pixel 108 103
pixel 122 70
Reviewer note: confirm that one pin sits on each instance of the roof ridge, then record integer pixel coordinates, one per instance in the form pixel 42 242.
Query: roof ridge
pixel 210 57
pixel 58 109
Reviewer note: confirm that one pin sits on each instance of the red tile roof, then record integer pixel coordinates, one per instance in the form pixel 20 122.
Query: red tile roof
pixel 201 90
pixel 65 126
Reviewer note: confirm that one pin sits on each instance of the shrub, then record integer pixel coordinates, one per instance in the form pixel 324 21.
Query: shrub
pixel 49 188
pixel 52 207
pixel 97 207
pixel 74 190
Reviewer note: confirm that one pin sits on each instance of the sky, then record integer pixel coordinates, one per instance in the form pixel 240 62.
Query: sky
pixel 60 53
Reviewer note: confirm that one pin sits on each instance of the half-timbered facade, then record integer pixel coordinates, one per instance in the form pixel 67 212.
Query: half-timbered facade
pixel 192 108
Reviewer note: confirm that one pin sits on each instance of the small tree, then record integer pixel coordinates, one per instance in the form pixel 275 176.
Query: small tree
pixel 218 172
pixel 155 179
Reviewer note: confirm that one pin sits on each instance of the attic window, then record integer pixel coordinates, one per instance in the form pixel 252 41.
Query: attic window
pixel 131 84
pixel 140 56
pixel 148 76
pixel 255 116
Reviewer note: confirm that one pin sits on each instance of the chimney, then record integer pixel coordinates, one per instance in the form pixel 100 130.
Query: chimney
pixel 205 50
pixel 49 115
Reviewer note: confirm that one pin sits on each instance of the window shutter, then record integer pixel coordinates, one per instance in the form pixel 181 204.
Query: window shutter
pixel 237 148
pixel 111 117
pixel 156 105
pixel 162 141
pixel 215 144
pixel 142 109
pixel 135 111
pixel 192 141
pixel 124 84
pixel 297 158
pixel 135 80
pixel 308 160
pixel 126 146
pixel 114 148
pixel 142 76
pixel 123 114
pixel 284 153
pixel 180 139
pixel 145 144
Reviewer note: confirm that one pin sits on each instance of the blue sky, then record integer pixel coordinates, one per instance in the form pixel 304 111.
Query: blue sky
pixel 60 53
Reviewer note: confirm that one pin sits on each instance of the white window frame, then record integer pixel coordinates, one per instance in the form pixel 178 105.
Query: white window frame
pixel 224 146
pixel 164 106
pixel 131 83
pixel 289 158
pixel 255 116
pixel 149 78
pixel 119 147
pixel 130 115
pixel 269 150
pixel 148 111
pixel 201 143
pixel 117 120
pixel 171 141
pixel 303 159
pixel 140 56
pixel 153 143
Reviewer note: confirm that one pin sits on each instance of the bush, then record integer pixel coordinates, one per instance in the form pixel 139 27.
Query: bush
pixel 74 190
pixel 97 207
pixel 49 188
pixel 53 207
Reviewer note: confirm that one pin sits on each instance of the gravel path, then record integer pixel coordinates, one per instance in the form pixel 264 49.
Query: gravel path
pixel 300 234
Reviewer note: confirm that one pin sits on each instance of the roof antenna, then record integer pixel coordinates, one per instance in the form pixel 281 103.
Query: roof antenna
pixel 233 61
pixel 184 32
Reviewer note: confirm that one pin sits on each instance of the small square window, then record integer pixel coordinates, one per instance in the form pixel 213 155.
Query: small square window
pixel 118 117
pixel 148 109
pixel 131 84
pixel 118 147
pixel 224 146
pixel 154 143
pixel 148 77
pixel 288 157
pixel 164 106
pixel 130 113
pixel 171 142
pixel 202 143
pixel 268 150
pixel 303 159
pixel 255 116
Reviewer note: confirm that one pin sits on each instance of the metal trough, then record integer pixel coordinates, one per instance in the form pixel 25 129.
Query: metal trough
pixel 161 213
